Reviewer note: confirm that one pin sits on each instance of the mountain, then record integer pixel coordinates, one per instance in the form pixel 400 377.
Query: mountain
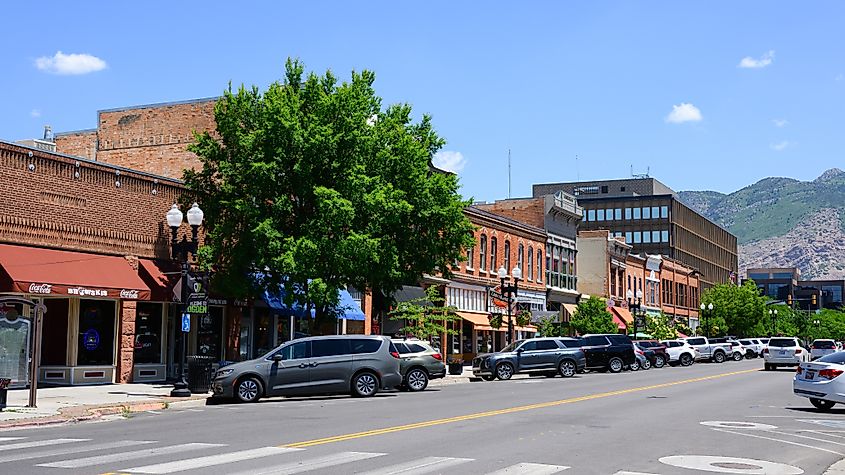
pixel 783 222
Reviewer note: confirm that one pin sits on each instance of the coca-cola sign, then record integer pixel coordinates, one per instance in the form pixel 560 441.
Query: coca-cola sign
pixel 129 294
pixel 40 289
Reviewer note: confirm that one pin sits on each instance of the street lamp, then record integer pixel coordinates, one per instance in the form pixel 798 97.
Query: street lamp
pixel 709 307
pixel 510 291
pixel 635 306
pixel 773 313
pixel 181 251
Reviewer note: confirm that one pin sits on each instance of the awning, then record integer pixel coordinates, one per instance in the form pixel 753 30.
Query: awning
pixel 623 314
pixel 160 277
pixel 479 321
pixel 618 321
pixel 570 309
pixel 349 309
pixel 33 270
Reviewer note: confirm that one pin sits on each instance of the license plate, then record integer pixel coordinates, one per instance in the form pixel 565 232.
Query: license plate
pixel 809 374
pixel 782 352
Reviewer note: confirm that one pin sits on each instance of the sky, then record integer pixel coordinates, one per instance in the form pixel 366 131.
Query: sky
pixel 706 95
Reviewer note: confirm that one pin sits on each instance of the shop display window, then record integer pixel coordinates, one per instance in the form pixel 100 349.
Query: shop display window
pixel 96 333
pixel 210 333
pixel 54 333
pixel 148 333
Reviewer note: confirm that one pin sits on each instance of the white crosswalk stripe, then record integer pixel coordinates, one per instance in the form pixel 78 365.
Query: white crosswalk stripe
pixel 420 466
pixel 121 456
pixel 530 469
pixel 210 461
pixel 313 464
pixel 39 443
pixel 71 450
pixel 6 439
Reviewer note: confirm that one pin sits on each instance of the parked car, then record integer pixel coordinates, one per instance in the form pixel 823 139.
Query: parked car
pixel 549 356
pixel 642 361
pixel 820 381
pixel 784 351
pixel 736 352
pixel 661 358
pixel 608 352
pixel 655 359
pixel 355 364
pixel 680 352
pixel 753 347
pixel 716 352
pixel 822 347
pixel 419 362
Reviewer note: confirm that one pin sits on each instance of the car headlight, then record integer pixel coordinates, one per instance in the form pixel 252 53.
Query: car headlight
pixel 223 372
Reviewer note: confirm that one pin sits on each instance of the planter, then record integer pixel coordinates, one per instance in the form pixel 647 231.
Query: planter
pixel 456 368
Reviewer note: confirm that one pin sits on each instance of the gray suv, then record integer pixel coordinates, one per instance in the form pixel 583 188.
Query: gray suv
pixel 356 364
pixel 549 356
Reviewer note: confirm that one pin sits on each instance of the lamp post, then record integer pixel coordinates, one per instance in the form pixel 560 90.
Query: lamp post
pixel 635 306
pixel 511 292
pixel 709 307
pixel 181 251
pixel 773 313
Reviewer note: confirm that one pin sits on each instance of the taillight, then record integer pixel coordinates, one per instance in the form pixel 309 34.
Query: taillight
pixel 437 356
pixel 830 373
pixel 394 354
pixel 765 350
pixel 798 370
pixel 797 351
pixel 640 352
pixel 812 347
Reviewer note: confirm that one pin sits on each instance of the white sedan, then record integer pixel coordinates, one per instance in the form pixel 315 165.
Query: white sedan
pixel 821 382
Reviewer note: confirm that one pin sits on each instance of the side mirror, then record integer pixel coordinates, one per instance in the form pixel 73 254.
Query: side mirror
pixel 519 351
pixel 277 358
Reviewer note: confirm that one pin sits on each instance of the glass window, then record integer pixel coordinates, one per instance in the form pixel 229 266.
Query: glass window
pixel 782 275
pixel 696 341
pixel 148 333
pixel 664 236
pixel 646 237
pixel 482 253
pixel 758 275
pixel 294 351
pixel 96 332
pixel 646 213
pixel 416 348
pixel 655 236
pixel 210 333
pixel 629 236
pixel 637 213
pixel 600 215
pixel 470 257
pixel 529 346
pixel 783 342
pixel 837 358
pixel 591 215
pixel 617 214
pixel 627 213
pixel 571 342
pixel 539 265
pixel 638 237
pixel 507 255
pixel 655 212
pixel 53 335
pixel 365 345
pixel 664 211
pixel 530 263
pixel 401 348
pixel 520 255
pixel 620 340
pixel 330 347
pixel 493 251
pixel 547 345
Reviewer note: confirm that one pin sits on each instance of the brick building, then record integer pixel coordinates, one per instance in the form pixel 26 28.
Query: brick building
pixel 151 138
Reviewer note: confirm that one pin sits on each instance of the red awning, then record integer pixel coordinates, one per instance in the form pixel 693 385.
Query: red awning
pixel 618 321
pixel 160 277
pixel 33 270
pixel 621 316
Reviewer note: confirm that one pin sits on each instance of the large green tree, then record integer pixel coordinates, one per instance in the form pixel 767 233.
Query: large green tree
pixel 592 316
pixel 737 310
pixel 314 185
pixel 660 327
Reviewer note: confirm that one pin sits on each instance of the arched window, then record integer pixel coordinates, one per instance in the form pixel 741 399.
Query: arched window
pixel 539 265
pixel 530 263
pixel 520 256
pixel 482 253
pixel 508 255
pixel 493 251
pixel 470 257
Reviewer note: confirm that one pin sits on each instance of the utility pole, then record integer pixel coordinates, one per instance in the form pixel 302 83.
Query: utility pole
pixel 509 173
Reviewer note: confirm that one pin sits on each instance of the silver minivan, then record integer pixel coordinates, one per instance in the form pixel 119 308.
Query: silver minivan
pixel 356 364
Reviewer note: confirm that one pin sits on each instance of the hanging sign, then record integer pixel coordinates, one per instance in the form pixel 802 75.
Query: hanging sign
pixel 197 293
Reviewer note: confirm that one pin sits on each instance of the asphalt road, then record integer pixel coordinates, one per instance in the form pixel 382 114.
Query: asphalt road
pixel 647 422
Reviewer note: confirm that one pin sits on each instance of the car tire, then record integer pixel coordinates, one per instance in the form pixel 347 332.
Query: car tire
pixel 685 359
pixel 767 367
pixel 249 389
pixel 504 371
pixel 646 365
pixel 822 404
pixel 659 362
pixel 718 357
pixel 567 368
pixel 364 384
pixel 615 365
pixel 737 356
pixel 416 380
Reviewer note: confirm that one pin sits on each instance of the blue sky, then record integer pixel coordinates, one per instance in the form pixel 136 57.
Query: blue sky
pixel 653 85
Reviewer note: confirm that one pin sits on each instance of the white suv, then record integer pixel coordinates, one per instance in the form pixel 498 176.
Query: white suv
pixel 821 348
pixel 680 352
pixel 784 351
pixel 753 347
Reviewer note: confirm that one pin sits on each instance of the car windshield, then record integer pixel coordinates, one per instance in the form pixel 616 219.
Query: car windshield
pixel 838 358
pixel 512 346
pixel 782 342
pixel 746 342
pixel 823 345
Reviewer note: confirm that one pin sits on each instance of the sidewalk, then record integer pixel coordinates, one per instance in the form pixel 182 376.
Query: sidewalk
pixel 83 403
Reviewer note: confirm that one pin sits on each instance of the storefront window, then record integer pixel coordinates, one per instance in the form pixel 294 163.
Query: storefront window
pixel 54 333
pixel 210 333
pixel 263 340
pixel 148 333
pixel 96 332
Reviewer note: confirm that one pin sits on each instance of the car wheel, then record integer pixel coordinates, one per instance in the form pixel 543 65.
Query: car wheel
pixel 686 359
pixel 249 390
pixel 719 357
pixel 737 356
pixel 615 365
pixel 659 362
pixel 767 367
pixel 504 371
pixel 646 364
pixel 567 368
pixel 364 385
pixel 416 380
pixel 821 404
pixel 488 377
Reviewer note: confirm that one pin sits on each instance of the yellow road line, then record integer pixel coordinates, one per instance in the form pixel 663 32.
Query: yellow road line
pixel 510 410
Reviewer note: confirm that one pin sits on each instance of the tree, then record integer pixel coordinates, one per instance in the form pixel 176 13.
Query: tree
pixel 738 310
pixel 317 186
pixel 591 316
pixel 549 326
pixel 659 328
pixel 426 317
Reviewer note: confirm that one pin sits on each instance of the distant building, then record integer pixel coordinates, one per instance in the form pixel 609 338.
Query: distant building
pixel 648 216
pixel 785 284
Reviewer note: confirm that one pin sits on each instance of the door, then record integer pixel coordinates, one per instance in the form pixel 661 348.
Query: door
pixel 547 354
pixel 596 351
pixel 527 356
pixel 331 365
pixel 291 375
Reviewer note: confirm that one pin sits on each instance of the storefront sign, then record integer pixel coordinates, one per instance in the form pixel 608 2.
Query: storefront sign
pixel 40 289
pixel 91 339
pixel 197 294
pixel 129 294
pixel 86 292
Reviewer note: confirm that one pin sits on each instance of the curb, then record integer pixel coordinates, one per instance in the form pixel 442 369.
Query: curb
pixel 836 469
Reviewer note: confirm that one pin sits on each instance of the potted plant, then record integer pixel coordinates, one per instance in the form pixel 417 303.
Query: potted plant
pixel 523 318
pixel 495 320
pixel 455 365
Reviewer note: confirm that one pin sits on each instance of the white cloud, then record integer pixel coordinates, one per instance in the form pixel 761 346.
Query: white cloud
pixel 684 112
pixel 780 122
pixel 450 161
pixel 750 63
pixel 35 113
pixel 68 64
pixel 781 146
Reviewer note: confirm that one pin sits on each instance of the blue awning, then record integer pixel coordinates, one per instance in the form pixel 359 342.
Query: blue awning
pixel 349 309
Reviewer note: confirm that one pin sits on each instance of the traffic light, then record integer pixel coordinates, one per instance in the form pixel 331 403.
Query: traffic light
pixel 813 300
pixel 789 300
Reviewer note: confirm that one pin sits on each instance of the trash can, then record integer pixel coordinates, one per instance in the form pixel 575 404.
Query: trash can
pixel 199 373
pixel 4 392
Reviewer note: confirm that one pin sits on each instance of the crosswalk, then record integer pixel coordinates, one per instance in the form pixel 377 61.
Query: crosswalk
pixel 76 455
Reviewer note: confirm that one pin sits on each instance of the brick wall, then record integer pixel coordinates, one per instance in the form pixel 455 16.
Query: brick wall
pixel 82 143
pixel 530 211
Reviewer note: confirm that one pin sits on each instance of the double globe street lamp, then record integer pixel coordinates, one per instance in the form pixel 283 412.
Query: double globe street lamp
pixel 181 251
pixel 773 314
pixel 709 307
pixel 635 306
pixel 510 291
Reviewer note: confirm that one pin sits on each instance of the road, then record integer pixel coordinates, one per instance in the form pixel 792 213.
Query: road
pixel 647 422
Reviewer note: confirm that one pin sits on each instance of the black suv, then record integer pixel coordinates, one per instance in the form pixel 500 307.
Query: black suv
pixel 611 352
pixel 548 356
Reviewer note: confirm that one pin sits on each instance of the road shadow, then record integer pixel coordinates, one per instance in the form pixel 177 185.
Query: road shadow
pixel 282 399
pixel 813 410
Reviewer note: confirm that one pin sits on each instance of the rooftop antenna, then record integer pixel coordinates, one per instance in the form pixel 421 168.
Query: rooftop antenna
pixel 640 175
pixel 509 173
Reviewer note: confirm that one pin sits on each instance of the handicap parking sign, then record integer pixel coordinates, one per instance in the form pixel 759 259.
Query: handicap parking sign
pixel 186 322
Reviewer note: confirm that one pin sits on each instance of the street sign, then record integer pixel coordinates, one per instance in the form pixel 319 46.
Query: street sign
pixel 186 322
pixel 197 301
